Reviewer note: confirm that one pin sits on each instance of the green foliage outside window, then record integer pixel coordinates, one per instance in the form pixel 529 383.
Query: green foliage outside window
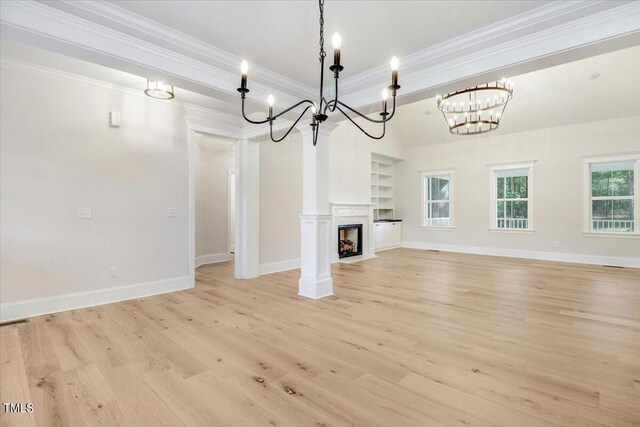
pixel 612 206
pixel 512 213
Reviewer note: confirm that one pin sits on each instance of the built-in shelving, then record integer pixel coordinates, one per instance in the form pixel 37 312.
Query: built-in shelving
pixel 382 194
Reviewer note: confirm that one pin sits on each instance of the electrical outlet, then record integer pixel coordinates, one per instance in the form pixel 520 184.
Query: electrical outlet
pixel 556 244
pixel 172 212
pixel 113 272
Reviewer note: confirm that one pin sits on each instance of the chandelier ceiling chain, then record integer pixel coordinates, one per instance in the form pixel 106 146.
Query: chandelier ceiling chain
pixel 322 52
pixel 319 110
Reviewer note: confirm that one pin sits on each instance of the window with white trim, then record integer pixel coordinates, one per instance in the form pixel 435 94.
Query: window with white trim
pixel 612 194
pixel 437 199
pixel 511 197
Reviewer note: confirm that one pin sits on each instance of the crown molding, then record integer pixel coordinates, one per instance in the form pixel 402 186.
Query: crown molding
pixel 430 69
pixel 29 18
pixel 230 122
pixel 473 39
pixel 514 43
pixel 135 22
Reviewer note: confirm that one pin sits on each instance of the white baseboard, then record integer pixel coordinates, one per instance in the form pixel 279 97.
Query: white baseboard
pixel 539 255
pixel 212 258
pixel 388 247
pixel 274 267
pixel 55 304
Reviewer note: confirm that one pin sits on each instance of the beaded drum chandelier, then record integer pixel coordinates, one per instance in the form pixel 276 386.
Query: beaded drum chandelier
pixel 476 110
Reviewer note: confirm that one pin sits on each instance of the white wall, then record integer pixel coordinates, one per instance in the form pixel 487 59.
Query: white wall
pixel 558 204
pixel 59 154
pixel 350 160
pixel 213 159
pixel 281 187
pixel 280 203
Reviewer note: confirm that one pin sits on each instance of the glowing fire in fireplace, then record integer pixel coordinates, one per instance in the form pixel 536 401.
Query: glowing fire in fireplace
pixel 349 240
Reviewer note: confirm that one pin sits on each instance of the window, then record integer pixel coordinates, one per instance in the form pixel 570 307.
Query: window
pixel 612 195
pixel 437 198
pixel 511 197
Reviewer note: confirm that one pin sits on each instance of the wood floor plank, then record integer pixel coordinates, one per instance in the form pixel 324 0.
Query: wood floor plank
pixel 410 338
pixel 14 387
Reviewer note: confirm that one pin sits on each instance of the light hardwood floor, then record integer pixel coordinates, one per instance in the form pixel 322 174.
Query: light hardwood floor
pixel 411 338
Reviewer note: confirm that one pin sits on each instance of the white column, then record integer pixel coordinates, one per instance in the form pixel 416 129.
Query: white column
pixel 315 255
pixel 247 255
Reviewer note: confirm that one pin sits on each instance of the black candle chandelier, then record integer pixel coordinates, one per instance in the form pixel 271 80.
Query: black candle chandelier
pixel 319 110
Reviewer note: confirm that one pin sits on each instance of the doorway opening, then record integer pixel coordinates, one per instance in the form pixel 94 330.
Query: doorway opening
pixel 215 214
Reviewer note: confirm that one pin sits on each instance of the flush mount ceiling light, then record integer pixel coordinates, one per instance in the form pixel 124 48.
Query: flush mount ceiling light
pixel 159 90
pixel 476 110
pixel 319 110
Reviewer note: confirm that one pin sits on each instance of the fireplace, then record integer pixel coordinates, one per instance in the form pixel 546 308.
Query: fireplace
pixel 349 240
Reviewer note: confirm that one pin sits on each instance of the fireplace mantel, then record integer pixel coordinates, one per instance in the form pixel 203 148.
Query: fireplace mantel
pixel 352 213
pixel 351 209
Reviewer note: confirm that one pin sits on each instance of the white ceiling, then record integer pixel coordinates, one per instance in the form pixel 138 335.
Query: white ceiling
pixel 556 96
pixel 283 35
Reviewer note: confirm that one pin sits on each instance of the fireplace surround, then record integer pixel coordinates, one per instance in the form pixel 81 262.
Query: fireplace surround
pixel 345 213
pixel 349 240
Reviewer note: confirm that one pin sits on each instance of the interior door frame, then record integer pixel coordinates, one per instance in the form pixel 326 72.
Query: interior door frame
pixel 231 231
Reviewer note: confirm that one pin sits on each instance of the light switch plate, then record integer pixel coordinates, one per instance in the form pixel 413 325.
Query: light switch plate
pixel 114 119
pixel 85 213
pixel 172 212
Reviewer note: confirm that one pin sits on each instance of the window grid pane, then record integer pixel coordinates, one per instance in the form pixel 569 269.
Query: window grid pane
pixel 614 179
pixel 612 197
pixel 512 203
pixel 437 208
pixel 438 188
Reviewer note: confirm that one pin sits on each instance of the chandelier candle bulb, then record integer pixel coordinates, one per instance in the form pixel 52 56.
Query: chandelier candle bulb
pixel 394 63
pixel 270 102
pixel 244 69
pixel 385 96
pixel 394 71
pixel 337 43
